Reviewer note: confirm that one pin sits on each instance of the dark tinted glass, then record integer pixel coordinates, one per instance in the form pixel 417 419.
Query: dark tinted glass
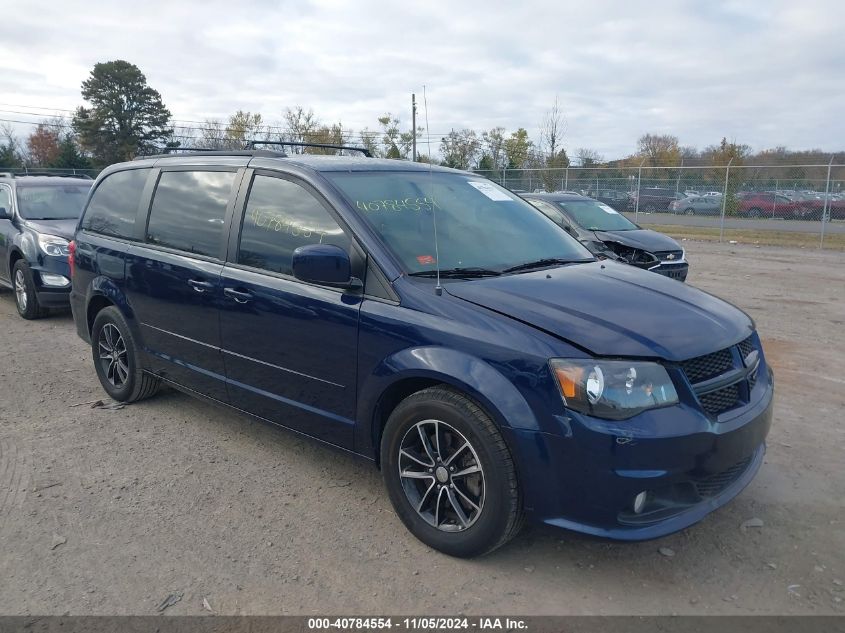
pixel 596 216
pixel 115 202
pixel 189 210
pixel 280 217
pixel 52 202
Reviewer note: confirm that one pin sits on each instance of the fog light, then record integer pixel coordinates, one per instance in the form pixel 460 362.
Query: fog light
pixel 639 502
pixel 57 281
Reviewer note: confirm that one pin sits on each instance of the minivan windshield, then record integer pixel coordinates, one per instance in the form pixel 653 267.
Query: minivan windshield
pixel 595 216
pixel 52 202
pixel 481 227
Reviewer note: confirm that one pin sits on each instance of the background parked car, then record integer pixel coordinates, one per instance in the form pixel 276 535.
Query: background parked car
pixel 653 199
pixel 771 205
pixel 38 215
pixel 611 197
pixel 610 235
pixel 698 205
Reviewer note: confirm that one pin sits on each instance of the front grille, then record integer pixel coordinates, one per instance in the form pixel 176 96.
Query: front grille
pixel 746 347
pixel 664 255
pixel 712 485
pixel 711 366
pixel 719 401
pixel 708 366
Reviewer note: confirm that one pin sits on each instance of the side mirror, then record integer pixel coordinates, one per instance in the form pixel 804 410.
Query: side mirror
pixel 324 264
pixel 5 214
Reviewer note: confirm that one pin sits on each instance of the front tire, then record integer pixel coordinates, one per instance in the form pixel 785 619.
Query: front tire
pixel 26 299
pixel 689 211
pixel 449 474
pixel 117 359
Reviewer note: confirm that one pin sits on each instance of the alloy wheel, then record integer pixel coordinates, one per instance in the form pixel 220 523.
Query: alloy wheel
pixel 20 290
pixel 113 356
pixel 441 475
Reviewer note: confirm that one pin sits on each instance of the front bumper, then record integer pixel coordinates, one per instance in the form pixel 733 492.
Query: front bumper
pixel 50 268
pixel 677 271
pixel 587 477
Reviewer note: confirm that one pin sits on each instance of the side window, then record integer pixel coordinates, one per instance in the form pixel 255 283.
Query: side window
pixel 113 206
pixel 280 217
pixel 189 210
pixel 5 198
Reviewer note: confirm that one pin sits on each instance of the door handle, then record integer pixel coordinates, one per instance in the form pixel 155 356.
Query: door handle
pixel 200 286
pixel 239 296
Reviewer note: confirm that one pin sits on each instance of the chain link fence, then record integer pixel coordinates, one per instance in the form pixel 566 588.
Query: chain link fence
pixel 731 198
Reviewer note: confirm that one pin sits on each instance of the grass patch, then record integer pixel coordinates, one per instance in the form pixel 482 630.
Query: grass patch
pixel 833 241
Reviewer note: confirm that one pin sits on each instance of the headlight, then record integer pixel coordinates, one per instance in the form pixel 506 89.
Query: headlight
pixel 613 389
pixel 54 245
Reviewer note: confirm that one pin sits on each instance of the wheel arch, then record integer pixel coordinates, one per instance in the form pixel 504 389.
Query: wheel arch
pixel 415 369
pixel 102 293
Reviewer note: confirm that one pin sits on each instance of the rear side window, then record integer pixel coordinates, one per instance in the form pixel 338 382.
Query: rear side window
pixel 189 210
pixel 114 205
pixel 280 217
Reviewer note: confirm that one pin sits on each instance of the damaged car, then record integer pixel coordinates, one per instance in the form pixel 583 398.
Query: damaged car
pixel 610 235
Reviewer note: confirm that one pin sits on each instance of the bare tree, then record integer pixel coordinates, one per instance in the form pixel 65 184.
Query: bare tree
pixel 552 130
pixel 301 125
pixel 588 157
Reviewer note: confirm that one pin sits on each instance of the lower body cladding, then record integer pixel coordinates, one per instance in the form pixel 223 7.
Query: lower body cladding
pixel 633 480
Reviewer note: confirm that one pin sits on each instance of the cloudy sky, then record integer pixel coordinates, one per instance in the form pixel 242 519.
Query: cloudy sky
pixel 764 73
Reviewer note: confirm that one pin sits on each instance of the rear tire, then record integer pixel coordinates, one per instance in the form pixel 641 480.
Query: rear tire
pixel 117 359
pixel 755 213
pixel 459 493
pixel 26 299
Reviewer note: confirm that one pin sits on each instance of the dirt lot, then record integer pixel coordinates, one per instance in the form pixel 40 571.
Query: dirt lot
pixel 112 511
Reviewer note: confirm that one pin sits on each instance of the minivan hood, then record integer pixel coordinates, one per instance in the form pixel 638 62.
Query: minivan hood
pixel 643 239
pixel 613 309
pixel 61 228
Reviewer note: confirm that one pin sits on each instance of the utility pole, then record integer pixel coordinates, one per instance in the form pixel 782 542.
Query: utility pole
pixel 414 127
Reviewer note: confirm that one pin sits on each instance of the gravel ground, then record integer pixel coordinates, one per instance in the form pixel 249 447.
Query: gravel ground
pixel 112 511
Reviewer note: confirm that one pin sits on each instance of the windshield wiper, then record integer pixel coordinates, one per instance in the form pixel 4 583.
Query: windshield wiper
pixel 458 273
pixel 542 263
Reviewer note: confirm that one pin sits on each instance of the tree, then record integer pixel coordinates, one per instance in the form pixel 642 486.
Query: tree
pixel 459 149
pixel 494 150
pixel 43 145
pixel 390 136
pixel 212 135
pixel 126 117
pixel 725 152
pixel 301 125
pixel 242 128
pixel 69 155
pixel 329 135
pixel 551 132
pixel 369 140
pixel 660 150
pixel 588 157
pixel 517 149
pixel 10 153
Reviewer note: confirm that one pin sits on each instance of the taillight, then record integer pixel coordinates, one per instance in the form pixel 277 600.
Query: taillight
pixel 70 258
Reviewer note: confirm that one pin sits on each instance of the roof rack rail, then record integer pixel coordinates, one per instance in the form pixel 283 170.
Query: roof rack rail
pixel 34 172
pixel 217 152
pixel 363 150
pixel 168 150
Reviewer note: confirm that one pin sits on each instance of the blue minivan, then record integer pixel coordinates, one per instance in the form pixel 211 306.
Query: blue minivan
pixel 432 322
